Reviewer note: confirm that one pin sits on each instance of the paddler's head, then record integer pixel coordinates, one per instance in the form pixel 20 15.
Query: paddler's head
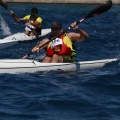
pixel 56 28
pixel 34 11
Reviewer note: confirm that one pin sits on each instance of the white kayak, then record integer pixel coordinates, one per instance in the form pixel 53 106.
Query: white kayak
pixel 31 66
pixel 15 38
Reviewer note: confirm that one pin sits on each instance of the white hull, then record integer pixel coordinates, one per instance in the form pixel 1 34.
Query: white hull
pixel 14 39
pixel 32 66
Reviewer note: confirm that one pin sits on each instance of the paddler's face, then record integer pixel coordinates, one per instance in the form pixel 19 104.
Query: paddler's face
pixel 56 30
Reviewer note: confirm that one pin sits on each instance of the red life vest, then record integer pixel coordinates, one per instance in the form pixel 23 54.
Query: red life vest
pixel 61 49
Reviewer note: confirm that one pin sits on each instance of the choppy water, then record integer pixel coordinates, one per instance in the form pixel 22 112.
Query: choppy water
pixel 91 95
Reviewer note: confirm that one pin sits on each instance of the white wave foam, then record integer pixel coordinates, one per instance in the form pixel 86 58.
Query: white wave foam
pixel 4 26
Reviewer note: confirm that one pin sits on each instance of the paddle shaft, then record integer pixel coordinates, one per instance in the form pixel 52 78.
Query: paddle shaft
pixel 96 11
pixel 4 4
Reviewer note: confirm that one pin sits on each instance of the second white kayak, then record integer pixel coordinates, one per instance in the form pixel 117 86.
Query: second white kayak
pixel 15 38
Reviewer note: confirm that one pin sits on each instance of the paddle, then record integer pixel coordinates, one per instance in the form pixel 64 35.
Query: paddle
pixel 4 5
pixel 96 11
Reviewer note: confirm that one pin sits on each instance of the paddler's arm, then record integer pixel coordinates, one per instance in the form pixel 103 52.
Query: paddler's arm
pixel 38 47
pixel 79 36
pixel 31 23
pixel 37 22
pixel 15 17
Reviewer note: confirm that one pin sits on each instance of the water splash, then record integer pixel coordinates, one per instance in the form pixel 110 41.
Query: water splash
pixel 4 27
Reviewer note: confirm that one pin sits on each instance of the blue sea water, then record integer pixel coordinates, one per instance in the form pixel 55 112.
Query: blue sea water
pixel 60 95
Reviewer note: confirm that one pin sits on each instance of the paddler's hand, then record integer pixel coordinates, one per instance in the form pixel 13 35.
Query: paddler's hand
pixel 73 26
pixel 12 13
pixel 28 23
pixel 35 49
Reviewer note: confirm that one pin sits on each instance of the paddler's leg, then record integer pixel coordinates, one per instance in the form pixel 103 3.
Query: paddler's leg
pixel 27 33
pixel 56 59
pixel 46 59
pixel 32 34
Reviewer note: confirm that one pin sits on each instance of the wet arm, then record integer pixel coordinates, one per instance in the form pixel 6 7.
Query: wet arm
pixel 80 35
pixel 38 47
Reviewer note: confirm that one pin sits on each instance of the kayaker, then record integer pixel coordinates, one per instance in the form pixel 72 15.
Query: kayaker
pixel 32 22
pixel 61 49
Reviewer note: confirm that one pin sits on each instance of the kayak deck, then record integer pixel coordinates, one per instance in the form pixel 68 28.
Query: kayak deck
pixel 31 66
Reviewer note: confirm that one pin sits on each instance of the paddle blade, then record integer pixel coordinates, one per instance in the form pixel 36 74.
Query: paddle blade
pixel 4 4
pixel 100 9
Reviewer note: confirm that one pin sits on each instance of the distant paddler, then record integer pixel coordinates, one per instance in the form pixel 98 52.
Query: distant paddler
pixel 32 22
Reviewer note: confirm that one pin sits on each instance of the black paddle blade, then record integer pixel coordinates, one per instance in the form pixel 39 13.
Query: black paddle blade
pixel 100 9
pixel 4 4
